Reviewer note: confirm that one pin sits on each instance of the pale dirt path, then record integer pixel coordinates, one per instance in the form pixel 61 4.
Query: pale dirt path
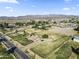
pixel 73 56
pixel 34 54
pixel 29 46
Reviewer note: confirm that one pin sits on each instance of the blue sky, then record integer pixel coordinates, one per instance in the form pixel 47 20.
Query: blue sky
pixel 38 7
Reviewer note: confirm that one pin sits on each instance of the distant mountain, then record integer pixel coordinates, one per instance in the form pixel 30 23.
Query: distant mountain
pixel 40 17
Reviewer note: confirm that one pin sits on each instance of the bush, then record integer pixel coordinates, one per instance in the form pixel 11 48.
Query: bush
pixel 45 36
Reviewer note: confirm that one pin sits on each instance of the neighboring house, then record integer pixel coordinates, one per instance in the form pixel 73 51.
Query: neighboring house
pixel 75 38
pixel 11 26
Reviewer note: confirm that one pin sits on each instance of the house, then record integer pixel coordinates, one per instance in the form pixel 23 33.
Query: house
pixel 75 38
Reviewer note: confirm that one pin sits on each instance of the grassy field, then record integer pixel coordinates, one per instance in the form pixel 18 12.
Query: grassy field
pixel 61 53
pixel 38 32
pixel 21 39
pixel 75 45
pixel 64 52
pixel 77 56
pixel 3 54
pixel 47 47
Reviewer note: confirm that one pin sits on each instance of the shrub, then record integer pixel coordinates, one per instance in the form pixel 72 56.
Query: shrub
pixel 45 36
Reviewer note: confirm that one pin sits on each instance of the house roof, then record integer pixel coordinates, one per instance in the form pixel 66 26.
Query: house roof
pixel 76 37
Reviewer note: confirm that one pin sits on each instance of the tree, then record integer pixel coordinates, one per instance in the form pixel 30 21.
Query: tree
pixel 33 22
pixel 19 23
pixel 35 26
pixel 55 22
pixel 39 22
pixel 43 27
pixel 1 25
pixel 24 33
pixel 45 36
pixel 72 20
pixel 6 25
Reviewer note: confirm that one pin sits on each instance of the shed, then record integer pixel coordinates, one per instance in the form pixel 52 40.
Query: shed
pixel 75 38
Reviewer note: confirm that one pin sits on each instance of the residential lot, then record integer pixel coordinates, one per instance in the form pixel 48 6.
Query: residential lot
pixel 42 40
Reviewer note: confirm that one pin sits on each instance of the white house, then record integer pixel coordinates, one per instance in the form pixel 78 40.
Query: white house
pixel 75 38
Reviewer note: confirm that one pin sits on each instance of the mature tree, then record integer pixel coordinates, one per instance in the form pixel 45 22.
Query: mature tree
pixel 55 22
pixel 33 22
pixel 19 23
pixel 45 36
pixel 1 25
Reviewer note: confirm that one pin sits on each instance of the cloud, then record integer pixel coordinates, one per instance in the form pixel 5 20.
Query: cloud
pixel 10 9
pixel 8 1
pixel 66 9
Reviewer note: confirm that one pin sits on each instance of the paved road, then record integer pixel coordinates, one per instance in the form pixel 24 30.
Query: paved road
pixel 17 50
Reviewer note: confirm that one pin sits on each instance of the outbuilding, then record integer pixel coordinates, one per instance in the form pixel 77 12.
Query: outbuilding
pixel 75 38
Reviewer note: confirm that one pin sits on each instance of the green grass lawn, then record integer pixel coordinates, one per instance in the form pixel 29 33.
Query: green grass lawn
pixel 45 48
pixel 3 54
pixel 21 39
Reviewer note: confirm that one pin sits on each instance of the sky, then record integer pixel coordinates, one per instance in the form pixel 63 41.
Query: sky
pixel 38 7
